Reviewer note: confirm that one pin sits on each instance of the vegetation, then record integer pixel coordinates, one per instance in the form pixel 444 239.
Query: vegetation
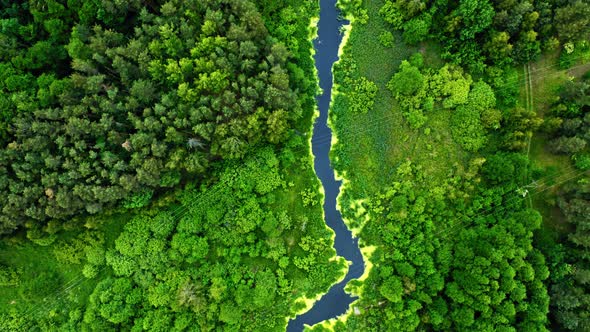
pixel 153 170
pixel 442 267
pixel 237 255
pixel 566 126
pixel 569 123
pixel 478 33
pixel 439 184
pixel 156 175
pixel 138 98
pixel 569 289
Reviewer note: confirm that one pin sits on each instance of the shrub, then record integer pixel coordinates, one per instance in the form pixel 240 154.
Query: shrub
pixel 138 200
pixel 386 39
pixel 467 128
pixel 362 97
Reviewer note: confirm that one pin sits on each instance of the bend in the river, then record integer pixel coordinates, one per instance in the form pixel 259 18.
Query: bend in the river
pixel 326 45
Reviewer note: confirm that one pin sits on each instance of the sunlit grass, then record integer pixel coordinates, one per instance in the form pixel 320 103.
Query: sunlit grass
pixel 371 146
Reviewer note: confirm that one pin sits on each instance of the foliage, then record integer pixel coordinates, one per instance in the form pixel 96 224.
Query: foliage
pixel 309 197
pixel 453 236
pixel 159 94
pixel 386 39
pixel 579 54
pixel 417 29
pixel 569 289
pixel 222 261
pixel 572 21
pixel 447 259
pixel 138 200
pixel 237 255
pixel 362 96
pixel 569 127
pixel 354 8
pixel 9 276
pixel 582 161
pixel 417 90
pixel 478 33
pixel 468 129
pixel 407 81
pixel 518 125
pixel 98 109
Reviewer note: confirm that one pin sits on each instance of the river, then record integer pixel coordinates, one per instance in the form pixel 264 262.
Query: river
pixel 326 45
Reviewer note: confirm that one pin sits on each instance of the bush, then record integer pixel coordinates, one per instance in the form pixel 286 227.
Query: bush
pixel 69 253
pixel 467 128
pixel 138 200
pixel 9 276
pixel 567 145
pixel 90 271
pixel 416 118
pixel 95 255
pixel 417 29
pixel 309 197
pixel 582 161
pixel 407 81
pixel 386 39
pixel 362 98
pixel 38 237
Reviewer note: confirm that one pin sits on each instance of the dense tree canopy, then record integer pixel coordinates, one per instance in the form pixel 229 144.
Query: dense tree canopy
pixel 97 109
pixel 232 261
pixel 137 97
pixel 568 129
pixel 104 105
pixel 476 32
pixel 237 255
pixel 454 256
pixel 569 124
pixel 569 290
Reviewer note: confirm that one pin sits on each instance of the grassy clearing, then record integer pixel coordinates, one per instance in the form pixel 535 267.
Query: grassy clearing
pixel 370 146
pixel 48 285
pixel 547 77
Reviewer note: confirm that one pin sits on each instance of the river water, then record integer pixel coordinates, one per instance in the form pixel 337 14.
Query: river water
pixel 326 45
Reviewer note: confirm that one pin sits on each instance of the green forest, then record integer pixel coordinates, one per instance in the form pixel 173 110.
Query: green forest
pixel 157 172
pixel 155 168
pixel 469 189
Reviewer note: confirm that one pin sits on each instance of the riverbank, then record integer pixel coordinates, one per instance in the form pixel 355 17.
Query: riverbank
pixel 407 192
pixel 327 46
pixel 354 289
pixel 367 147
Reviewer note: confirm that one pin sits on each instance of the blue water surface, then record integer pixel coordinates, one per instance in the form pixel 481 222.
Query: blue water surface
pixel 336 301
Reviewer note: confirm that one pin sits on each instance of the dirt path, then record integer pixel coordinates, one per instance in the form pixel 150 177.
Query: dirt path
pixel 578 71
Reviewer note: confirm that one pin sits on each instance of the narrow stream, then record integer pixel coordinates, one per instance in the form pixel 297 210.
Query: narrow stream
pixel 336 301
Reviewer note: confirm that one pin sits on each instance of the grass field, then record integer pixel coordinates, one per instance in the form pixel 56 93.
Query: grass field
pixel 547 78
pixel 370 146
